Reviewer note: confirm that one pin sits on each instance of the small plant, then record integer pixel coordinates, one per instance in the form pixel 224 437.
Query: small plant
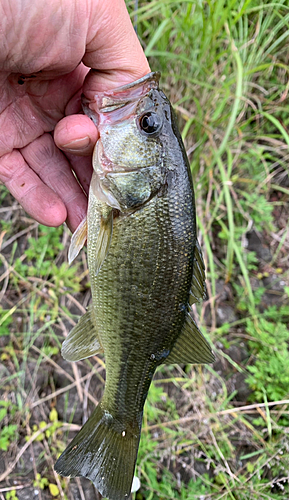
pixel 40 482
pixel 7 435
pixel 46 246
pixel 11 495
pixel 5 321
pixel 259 208
pixel 270 372
pixel 9 432
pixel 50 432
pixel 40 253
pixel 43 482
pixel 66 277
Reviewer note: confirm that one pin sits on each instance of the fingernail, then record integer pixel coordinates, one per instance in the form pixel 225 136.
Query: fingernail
pixel 78 144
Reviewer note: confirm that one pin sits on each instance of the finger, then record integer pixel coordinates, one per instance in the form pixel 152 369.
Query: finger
pixel 76 134
pixel 39 201
pixel 54 170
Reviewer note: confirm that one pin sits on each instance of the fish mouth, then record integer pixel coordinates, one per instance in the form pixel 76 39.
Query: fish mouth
pixel 107 106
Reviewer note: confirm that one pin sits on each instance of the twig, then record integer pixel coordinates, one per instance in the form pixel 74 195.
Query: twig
pixel 62 290
pixel 253 406
pixel 18 235
pixel 50 461
pixel 23 449
pixel 223 458
pixel 10 209
pixel 62 390
pixel 53 363
pixel 6 279
pixel 10 488
pixel 65 373
pixel 263 465
pixel 81 492
pixel 86 388
pixel 10 268
pixel 230 411
pixel 31 440
pixel 33 462
pixel 77 382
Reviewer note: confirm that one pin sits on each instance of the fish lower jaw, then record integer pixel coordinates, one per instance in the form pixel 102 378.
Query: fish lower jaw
pixel 102 165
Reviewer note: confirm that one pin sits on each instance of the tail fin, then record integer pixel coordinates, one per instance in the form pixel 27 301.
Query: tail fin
pixel 105 452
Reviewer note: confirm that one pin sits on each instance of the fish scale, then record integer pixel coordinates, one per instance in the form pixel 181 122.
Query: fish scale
pixel 145 264
pixel 149 306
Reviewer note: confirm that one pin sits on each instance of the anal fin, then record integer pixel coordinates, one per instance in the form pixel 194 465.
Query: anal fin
pixel 83 340
pixel 191 346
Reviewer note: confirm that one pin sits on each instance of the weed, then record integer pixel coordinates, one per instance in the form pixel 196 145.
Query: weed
pixel 5 321
pixel 270 346
pixel 11 495
pixel 40 482
pixel 7 435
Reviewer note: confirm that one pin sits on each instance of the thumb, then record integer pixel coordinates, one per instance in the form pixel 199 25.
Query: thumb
pixel 116 56
pixel 114 51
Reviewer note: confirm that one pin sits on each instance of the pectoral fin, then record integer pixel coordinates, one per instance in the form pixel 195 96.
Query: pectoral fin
pixel 190 347
pixel 77 241
pixel 103 240
pixel 83 340
pixel 198 288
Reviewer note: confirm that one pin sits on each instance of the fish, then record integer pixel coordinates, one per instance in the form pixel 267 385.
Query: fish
pixel 146 270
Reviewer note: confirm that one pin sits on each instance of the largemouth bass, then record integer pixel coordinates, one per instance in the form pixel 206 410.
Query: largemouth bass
pixel 145 268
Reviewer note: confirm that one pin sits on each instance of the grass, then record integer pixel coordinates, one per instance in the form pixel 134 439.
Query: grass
pixel 216 432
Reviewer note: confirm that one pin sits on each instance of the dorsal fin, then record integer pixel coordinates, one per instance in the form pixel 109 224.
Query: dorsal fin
pixel 198 288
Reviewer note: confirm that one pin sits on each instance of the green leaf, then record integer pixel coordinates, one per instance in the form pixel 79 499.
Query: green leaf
pixel 53 415
pixel 54 490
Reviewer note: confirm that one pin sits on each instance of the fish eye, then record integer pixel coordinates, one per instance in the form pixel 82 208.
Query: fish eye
pixel 150 123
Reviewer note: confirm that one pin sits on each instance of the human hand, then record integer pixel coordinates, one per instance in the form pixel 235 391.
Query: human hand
pixel 48 47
